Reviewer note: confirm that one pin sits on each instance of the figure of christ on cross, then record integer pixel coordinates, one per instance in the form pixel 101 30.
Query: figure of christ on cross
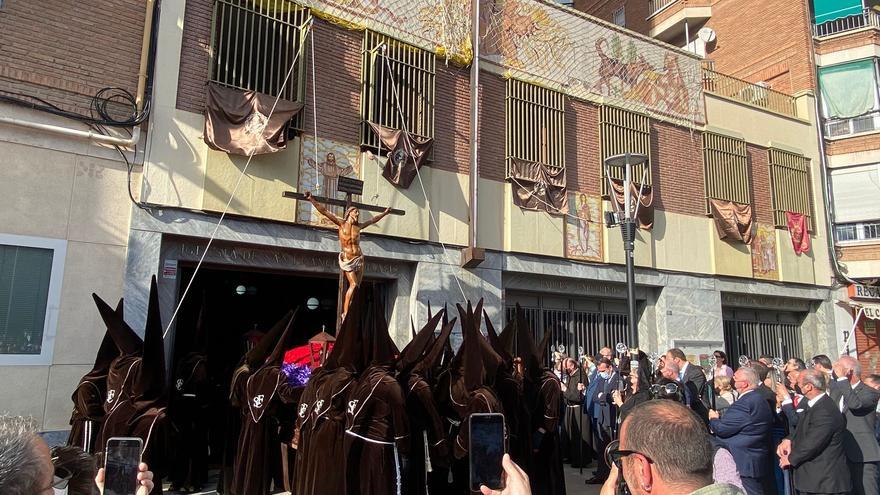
pixel 351 259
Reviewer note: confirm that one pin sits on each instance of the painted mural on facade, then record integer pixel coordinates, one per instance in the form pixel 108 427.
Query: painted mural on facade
pixel 548 44
pixel 583 227
pixel 765 263
pixel 320 175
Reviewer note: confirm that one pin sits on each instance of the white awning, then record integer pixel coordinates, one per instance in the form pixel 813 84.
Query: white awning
pixel 870 310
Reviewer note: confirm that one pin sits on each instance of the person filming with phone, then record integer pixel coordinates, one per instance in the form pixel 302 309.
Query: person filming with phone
pixel 27 466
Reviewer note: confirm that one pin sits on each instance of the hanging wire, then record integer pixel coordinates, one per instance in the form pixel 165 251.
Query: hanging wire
pixel 307 26
pixel 411 152
pixel 315 110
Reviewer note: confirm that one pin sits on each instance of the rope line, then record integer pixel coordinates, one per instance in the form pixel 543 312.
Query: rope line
pixel 315 110
pixel 235 189
pixel 419 174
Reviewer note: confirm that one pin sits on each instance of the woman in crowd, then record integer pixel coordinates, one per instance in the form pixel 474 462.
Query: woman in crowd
pixel 721 368
pixel 725 395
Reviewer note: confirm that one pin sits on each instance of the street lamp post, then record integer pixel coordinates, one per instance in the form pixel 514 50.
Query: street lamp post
pixel 627 221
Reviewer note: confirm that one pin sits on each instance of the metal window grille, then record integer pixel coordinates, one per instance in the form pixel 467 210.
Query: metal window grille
pixel 726 168
pixel 390 66
pixel 254 43
pixel 576 324
pixel 622 131
pixel 790 186
pixel 778 336
pixel 535 124
pixel 860 231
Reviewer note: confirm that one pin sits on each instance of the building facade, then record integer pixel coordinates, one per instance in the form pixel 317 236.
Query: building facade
pixel 64 196
pixel 558 96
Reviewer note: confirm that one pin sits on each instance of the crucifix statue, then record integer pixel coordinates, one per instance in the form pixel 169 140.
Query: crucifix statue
pixel 351 258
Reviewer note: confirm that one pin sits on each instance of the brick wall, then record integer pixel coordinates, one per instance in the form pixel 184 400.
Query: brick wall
pixel 847 41
pixel 452 120
pixel 866 142
pixel 750 44
pixel 868 349
pixel 762 202
pixel 859 253
pixel 493 118
pixel 677 169
pixel 582 147
pixel 636 12
pixel 194 56
pixel 65 52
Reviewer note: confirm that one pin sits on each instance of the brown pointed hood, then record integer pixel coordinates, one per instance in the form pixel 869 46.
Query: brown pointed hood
pixel 127 342
pixel 258 354
pixel 495 340
pixel 531 354
pixel 382 349
pixel 470 364
pixel 106 354
pixel 430 361
pixel 283 342
pixel 419 345
pixel 348 349
pixel 149 384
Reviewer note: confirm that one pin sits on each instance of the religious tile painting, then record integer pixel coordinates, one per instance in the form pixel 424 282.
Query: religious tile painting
pixel 583 235
pixel 320 176
pixel 764 260
pixel 542 42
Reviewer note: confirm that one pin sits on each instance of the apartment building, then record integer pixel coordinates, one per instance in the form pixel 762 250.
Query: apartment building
pixel 559 91
pixel 70 102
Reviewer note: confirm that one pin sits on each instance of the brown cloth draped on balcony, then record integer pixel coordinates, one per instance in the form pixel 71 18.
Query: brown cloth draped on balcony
pixel 406 153
pixel 238 122
pixel 645 216
pixel 733 220
pixel 538 187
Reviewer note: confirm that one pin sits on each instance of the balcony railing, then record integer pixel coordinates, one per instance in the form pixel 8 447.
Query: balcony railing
pixel 748 93
pixel 867 18
pixel 854 125
pixel 655 6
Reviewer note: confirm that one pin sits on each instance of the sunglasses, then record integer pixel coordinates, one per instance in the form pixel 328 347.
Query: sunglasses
pixel 614 454
pixel 667 389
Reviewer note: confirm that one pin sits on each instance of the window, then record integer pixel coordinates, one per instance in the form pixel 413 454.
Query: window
pixel 397 88
pixel 855 192
pixel 620 17
pixel 726 168
pixel 254 43
pixel 862 231
pixel 790 186
pixel 30 290
pixel 622 131
pixel 535 124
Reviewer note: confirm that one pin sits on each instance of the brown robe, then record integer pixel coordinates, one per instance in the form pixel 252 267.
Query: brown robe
pixel 259 396
pixel 376 435
pixel 88 416
pixel 321 423
pixel 429 448
pixel 188 413
pixel 546 475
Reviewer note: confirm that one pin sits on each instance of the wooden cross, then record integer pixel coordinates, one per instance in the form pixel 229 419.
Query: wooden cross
pixel 350 187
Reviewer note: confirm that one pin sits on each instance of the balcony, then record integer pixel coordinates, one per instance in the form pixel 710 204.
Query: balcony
pixel 869 18
pixel 749 93
pixel 837 128
pixel 668 18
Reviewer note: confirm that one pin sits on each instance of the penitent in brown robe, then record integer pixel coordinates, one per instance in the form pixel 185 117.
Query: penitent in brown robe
pixel 376 435
pixel 547 476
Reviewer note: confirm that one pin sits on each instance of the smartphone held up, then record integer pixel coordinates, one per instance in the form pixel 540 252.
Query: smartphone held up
pixel 121 461
pixel 486 451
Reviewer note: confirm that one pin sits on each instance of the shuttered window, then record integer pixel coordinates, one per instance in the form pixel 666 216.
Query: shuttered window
pixel 622 131
pixel 726 168
pixel 397 87
pixel 24 292
pixel 535 124
pixel 790 186
pixel 253 45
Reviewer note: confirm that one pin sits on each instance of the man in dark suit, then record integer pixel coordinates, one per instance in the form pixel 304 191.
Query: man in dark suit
pixel 815 450
pixel 792 402
pixel 603 414
pixel 745 432
pixel 858 403
pixel 689 374
pixel 689 394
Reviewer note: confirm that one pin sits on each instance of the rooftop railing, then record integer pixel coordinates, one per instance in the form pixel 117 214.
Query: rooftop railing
pixel 748 93
pixel 867 18
pixel 655 6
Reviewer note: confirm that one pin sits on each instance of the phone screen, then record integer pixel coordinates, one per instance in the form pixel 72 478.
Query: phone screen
pixel 122 457
pixel 486 450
